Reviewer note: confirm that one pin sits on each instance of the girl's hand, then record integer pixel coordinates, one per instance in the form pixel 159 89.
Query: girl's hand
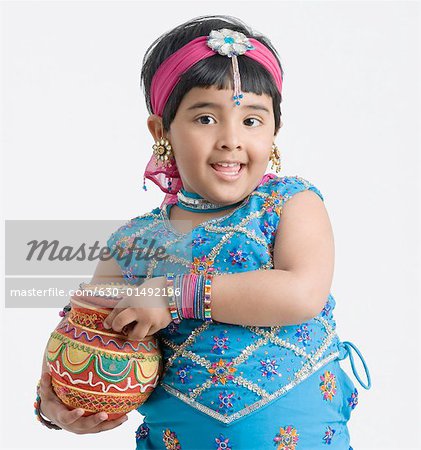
pixel 71 420
pixel 140 315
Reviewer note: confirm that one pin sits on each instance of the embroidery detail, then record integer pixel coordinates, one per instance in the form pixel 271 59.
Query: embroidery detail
pixel 159 233
pixel 327 438
pixel 199 240
pixel 303 334
pixel 222 371
pixel 220 345
pixel 274 203
pixel 222 443
pixel 268 229
pixel 203 265
pixel 170 440
pixel 226 400
pixel 327 309
pixel 353 400
pixel 125 245
pixel 287 438
pixel 129 275
pixel 184 373
pixel 238 256
pixel 328 385
pixel 127 225
pixel 142 432
pixel 269 367
pixel 172 328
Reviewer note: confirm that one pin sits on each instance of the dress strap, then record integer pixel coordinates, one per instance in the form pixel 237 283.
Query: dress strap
pixel 345 348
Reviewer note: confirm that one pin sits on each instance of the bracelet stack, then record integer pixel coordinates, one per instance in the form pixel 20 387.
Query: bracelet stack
pixel 189 296
pixel 207 299
pixel 40 418
pixel 171 299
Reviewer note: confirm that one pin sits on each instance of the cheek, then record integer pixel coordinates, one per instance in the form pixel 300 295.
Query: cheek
pixel 188 163
pixel 260 156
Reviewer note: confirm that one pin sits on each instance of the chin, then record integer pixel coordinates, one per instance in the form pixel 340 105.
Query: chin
pixel 226 199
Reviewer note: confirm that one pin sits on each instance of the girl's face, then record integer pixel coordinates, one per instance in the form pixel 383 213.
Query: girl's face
pixel 208 128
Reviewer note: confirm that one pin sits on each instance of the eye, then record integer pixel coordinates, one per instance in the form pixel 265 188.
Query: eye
pixel 209 117
pixel 204 117
pixel 253 118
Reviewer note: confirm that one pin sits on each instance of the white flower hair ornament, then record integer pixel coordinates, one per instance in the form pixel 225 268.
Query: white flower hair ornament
pixel 231 43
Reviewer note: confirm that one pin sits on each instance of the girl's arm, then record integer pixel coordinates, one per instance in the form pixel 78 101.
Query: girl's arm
pixel 298 287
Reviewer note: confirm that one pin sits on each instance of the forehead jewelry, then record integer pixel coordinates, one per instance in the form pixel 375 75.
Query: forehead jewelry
pixel 232 44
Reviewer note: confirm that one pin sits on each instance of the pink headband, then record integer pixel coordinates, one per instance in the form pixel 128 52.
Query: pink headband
pixel 225 42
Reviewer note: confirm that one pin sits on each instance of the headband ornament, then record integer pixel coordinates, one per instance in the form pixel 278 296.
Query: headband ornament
pixel 231 43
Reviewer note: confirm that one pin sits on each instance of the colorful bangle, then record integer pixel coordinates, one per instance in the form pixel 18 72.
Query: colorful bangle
pixel 171 300
pixel 40 418
pixel 194 298
pixel 198 304
pixel 208 297
pixel 177 296
pixel 189 284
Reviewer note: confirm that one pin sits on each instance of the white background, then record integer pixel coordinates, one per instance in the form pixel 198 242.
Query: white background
pixel 75 145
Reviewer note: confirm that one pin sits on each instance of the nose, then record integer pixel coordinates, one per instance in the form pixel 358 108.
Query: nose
pixel 229 137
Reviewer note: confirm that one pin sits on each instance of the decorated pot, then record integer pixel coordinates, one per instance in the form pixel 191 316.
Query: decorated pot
pixel 98 369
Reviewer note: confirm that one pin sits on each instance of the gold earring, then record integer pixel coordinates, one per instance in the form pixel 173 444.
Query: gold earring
pixel 162 151
pixel 275 157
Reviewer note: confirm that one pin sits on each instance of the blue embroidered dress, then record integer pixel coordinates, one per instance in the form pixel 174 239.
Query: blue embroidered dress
pixel 236 387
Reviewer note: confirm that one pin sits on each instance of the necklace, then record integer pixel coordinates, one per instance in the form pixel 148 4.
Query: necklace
pixel 190 201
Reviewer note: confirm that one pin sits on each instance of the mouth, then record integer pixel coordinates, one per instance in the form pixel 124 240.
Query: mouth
pixel 228 173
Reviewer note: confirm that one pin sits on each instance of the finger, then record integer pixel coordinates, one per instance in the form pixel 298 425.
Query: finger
pixel 122 304
pixel 83 423
pixel 122 319
pixel 98 422
pixel 152 330
pixel 157 327
pixel 67 417
pixel 127 328
pixel 139 331
pixel 109 319
pixel 109 424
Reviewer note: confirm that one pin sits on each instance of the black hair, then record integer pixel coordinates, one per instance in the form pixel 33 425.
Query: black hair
pixel 213 71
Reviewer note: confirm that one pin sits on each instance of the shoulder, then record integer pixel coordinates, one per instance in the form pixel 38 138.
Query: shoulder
pixel 277 191
pixel 287 186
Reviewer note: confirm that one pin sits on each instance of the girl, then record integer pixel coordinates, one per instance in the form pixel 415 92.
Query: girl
pixel 251 356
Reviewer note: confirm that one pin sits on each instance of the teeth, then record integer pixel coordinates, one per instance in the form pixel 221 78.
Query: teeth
pixel 228 165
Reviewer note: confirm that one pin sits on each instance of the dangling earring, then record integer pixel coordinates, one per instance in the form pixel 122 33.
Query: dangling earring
pixel 162 150
pixel 275 157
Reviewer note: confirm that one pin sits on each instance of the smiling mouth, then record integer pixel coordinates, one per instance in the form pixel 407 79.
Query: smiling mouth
pixel 230 171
